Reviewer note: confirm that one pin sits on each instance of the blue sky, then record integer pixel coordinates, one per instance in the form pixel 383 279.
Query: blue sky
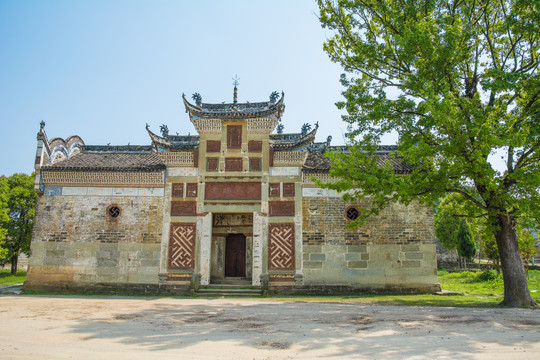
pixel 103 69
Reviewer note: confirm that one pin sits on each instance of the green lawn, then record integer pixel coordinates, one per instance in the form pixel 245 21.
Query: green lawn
pixel 473 288
pixel 7 279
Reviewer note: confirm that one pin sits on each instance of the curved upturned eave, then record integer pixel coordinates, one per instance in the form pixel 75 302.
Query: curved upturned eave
pixel 273 109
pixel 306 140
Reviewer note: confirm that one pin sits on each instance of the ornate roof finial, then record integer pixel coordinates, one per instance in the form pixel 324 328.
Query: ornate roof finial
pixel 197 98
pixel 235 83
pixel 41 125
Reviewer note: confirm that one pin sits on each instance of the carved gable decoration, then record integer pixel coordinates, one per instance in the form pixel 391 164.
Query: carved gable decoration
pixel 232 191
pixel 234 136
pixel 182 246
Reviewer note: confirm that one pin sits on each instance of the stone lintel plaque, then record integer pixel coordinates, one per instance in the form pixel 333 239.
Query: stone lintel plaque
pixel 233 220
pixel 213 146
pixel 281 208
pixel 233 164
pixel 191 190
pixel 273 190
pixel 232 191
pixel 288 189
pixel 183 208
pixel 178 189
pixel 255 146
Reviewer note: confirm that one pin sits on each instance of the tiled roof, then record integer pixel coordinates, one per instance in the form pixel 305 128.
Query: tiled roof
pixel 137 161
pixel 173 142
pixel 288 142
pixel 235 111
pixel 316 162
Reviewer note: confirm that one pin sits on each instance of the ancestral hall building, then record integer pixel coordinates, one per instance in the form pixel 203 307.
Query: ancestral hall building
pixel 233 202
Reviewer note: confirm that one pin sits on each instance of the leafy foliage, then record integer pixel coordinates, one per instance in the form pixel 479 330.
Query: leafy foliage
pixel 466 246
pixel 21 201
pixel 459 83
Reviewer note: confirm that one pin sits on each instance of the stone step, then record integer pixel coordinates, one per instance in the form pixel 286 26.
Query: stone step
pixel 229 290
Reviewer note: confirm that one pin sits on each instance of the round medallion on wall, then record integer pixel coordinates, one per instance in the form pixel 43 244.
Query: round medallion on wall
pixel 352 213
pixel 114 211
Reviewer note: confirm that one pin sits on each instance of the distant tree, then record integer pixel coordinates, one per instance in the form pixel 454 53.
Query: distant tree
pixel 488 247
pixel 458 81
pixel 21 202
pixel 466 245
pixel 4 217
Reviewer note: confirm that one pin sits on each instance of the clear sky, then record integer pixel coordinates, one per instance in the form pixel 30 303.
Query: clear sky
pixel 103 69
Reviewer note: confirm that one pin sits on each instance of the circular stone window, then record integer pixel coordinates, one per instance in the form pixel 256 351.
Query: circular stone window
pixel 113 211
pixel 352 213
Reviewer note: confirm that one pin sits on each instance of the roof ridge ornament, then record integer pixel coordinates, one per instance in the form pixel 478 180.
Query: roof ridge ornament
pixel 235 94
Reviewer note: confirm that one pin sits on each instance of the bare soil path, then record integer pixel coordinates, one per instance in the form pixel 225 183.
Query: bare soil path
pixel 71 327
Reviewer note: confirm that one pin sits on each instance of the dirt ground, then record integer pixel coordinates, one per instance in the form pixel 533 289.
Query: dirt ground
pixel 71 327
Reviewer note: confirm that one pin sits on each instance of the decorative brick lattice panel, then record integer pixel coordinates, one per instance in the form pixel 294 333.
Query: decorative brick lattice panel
pixel 284 158
pixel 281 246
pixel 178 189
pixel 182 246
pixel 181 158
pixel 86 178
pixel 233 164
pixel 288 189
pixel 191 190
pixel 306 178
pixel 234 136
pixel 261 126
pixel 273 190
pixel 254 146
pixel 207 126
pixel 213 146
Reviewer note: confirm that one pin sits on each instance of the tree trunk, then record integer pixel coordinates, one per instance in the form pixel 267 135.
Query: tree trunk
pixel 14 261
pixel 516 290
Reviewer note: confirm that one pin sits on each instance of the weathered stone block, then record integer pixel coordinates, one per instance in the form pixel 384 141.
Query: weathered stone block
pixel 357 264
pixel 353 256
pixel 313 264
pixel 317 257
pixel 410 264
pixel 414 256
pixel 356 248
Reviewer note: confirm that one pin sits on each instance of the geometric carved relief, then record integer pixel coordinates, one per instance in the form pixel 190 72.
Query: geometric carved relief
pixel 281 208
pixel 280 246
pixel 191 189
pixel 233 164
pixel 288 189
pixel 182 246
pixel 273 190
pixel 283 158
pixel 255 164
pixel 254 146
pixel 213 146
pixel 178 189
pixel 232 191
pixel 234 136
pixel 180 158
pixel 183 208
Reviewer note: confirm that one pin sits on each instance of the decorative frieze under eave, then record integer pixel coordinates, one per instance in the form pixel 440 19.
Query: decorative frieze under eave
pixel 178 158
pixel 290 158
pixel 103 178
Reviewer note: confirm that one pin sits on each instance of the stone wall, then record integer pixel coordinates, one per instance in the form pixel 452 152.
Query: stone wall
pixel 394 250
pixel 76 244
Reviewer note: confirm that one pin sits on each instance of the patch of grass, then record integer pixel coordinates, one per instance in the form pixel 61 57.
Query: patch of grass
pixel 475 290
pixel 7 279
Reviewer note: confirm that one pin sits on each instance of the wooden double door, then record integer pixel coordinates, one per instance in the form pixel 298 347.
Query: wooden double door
pixel 235 256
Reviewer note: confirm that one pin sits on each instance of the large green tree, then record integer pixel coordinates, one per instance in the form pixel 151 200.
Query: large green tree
pixel 21 202
pixel 459 83
pixel 3 214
